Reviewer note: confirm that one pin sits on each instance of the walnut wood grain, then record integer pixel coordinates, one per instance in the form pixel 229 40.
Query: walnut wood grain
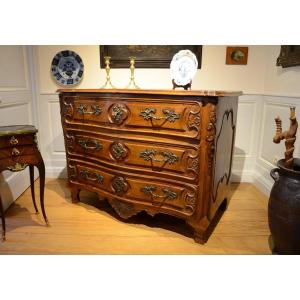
pixel 158 151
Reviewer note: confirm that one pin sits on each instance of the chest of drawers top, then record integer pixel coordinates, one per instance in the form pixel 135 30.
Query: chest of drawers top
pixel 210 93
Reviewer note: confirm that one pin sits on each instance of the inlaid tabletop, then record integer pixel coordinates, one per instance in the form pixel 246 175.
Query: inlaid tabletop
pixel 17 129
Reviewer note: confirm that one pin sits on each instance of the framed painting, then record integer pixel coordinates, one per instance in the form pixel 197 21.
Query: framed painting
pixel 289 56
pixel 236 55
pixel 158 56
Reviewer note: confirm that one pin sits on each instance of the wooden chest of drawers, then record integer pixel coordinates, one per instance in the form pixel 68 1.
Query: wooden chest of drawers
pixel 154 150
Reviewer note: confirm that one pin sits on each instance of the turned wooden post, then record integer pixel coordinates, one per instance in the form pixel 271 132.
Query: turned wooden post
pixel 289 136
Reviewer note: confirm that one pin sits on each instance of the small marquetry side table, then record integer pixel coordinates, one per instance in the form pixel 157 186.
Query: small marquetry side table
pixel 19 149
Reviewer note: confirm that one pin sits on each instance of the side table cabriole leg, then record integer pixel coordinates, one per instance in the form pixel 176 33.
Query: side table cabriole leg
pixel 31 173
pixel 2 219
pixel 41 168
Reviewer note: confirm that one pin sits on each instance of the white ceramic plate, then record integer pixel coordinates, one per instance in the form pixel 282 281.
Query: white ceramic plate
pixel 183 67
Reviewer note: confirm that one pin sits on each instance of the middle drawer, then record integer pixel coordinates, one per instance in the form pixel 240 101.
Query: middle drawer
pixel 140 156
pixel 13 152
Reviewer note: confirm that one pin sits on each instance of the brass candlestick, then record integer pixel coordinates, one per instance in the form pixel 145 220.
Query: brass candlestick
pixel 132 84
pixel 289 136
pixel 108 84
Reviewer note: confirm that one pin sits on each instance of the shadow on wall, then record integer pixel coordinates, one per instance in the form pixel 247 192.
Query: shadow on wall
pixel 53 149
pixel 238 165
pixel 63 174
pixel 295 70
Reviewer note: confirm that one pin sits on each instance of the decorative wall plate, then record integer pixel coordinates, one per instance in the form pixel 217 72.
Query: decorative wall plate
pixel 67 68
pixel 183 67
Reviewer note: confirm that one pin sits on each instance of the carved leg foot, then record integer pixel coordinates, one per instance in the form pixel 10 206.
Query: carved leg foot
pixel 75 194
pixel 224 205
pixel 200 237
pixel 200 229
pixel 41 168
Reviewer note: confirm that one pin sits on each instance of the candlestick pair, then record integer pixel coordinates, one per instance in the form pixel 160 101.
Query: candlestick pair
pixel 109 85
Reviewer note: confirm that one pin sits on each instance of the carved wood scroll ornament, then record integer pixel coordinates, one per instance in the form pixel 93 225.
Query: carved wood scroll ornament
pixel 210 138
pixel 119 151
pixel 118 113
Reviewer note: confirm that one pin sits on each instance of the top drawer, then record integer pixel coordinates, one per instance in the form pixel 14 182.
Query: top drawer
pixel 167 117
pixel 16 140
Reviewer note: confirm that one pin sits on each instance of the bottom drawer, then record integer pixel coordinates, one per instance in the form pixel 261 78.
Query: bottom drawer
pixel 18 163
pixel 165 196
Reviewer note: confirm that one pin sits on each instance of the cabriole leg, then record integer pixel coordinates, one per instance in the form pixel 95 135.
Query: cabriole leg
pixel 31 173
pixel 41 168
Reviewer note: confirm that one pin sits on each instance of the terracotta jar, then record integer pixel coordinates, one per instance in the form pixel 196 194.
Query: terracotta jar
pixel 284 208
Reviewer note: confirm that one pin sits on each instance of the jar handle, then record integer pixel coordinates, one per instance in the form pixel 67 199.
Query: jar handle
pixel 275 173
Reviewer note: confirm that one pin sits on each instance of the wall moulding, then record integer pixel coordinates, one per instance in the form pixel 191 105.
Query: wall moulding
pixel 273 106
pixel 17 88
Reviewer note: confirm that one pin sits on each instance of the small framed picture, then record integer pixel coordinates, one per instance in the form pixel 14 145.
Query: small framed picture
pixel 236 55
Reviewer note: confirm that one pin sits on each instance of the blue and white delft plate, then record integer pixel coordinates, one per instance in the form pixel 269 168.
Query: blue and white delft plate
pixel 183 67
pixel 67 68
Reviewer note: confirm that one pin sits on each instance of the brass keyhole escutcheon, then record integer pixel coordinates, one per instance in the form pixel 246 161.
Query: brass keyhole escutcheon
pixel 13 141
pixel 15 152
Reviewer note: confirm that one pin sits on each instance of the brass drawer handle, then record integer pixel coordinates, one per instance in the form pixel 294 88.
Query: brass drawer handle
pixel 90 145
pixel 149 155
pixel 15 152
pixel 91 176
pixel 168 194
pixel 96 110
pixel 149 114
pixel 13 141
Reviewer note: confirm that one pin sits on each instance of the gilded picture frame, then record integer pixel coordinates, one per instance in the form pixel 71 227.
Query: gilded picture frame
pixel 147 56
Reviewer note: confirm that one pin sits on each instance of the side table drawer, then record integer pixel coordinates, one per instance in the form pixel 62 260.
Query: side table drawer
pixel 18 163
pixel 16 140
